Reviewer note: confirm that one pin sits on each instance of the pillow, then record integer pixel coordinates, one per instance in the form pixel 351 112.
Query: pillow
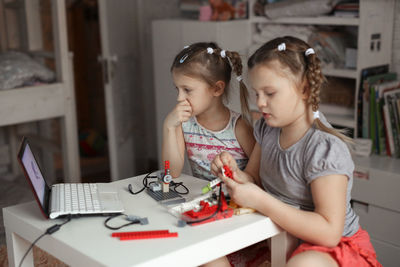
pixel 18 69
pixel 299 8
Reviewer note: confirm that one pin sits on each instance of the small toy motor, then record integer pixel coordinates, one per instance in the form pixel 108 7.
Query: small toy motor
pixel 167 178
pixel 164 179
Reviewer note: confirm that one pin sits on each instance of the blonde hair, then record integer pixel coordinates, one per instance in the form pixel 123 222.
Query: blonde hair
pixel 290 52
pixel 215 66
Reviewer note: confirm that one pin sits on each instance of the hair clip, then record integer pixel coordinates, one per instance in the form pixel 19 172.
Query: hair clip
pixel 223 53
pixel 186 46
pixel 316 114
pixel 210 50
pixel 183 58
pixel 282 47
pixel 239 78
pixel 309 51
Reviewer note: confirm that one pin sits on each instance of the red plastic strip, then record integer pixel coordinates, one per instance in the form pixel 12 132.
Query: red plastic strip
pixel 147 236
pixel 119 234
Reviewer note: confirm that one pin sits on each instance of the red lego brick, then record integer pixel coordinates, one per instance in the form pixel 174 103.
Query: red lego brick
pixel 119 234
pixel 228 172
pixel 123 236
pixel 207 210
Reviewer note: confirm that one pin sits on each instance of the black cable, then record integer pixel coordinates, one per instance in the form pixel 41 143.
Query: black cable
pixel 136 221
pixel 49 231
pixel 144 182
pixel 174 185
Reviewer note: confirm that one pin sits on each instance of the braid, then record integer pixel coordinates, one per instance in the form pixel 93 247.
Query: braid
pixel 315 80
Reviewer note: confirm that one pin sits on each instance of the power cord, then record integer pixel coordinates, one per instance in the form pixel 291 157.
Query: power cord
pixel 48 231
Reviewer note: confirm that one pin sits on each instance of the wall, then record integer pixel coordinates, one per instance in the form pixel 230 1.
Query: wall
pixel 396 39
pixel 150 10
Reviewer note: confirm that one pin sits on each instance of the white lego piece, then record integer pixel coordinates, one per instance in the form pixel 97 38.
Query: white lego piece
pixel 155 187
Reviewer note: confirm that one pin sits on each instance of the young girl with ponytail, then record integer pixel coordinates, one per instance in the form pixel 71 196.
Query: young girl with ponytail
pixel 200 123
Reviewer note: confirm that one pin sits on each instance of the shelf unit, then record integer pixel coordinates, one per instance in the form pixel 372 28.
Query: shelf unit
pixel 43 102
pixel 374 18
pixel 376 201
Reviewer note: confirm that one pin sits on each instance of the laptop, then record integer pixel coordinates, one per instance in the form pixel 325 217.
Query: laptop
pixel 67 198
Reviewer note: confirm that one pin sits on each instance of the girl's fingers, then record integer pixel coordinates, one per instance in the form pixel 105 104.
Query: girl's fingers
pixel 214 167
pixel 228 181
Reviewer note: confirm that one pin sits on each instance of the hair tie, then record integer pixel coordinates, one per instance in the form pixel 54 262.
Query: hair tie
pixel 282 47
pixel 183 58
pixel 223 53
pixel 210 50
pixel 309 51
pixel 316 114
pixel 239 78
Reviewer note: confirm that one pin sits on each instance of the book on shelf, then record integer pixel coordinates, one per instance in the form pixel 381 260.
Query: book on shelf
pixel 392 109
pixel 381 126
pixel 365 73
pixel 374 84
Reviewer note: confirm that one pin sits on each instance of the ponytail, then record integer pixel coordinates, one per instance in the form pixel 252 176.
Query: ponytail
pixel 237 66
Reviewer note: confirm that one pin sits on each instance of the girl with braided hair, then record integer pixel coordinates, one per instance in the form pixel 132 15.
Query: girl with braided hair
pixel 300 172
pixel 200 122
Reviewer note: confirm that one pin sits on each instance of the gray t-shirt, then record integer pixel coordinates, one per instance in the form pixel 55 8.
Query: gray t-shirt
pixel 288 173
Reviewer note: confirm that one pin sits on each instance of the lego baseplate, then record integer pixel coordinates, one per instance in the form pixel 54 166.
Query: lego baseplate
pixel 168 198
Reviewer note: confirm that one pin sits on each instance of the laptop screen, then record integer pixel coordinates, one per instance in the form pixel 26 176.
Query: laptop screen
pixel 33 172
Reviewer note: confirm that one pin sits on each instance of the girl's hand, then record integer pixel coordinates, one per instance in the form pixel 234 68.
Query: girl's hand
pixel 181 113
pixel 244 194
pixel 226 159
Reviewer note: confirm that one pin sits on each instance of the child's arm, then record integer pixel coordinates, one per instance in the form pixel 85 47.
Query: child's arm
pixel 323 226
pixel 173 144
pixel 244 135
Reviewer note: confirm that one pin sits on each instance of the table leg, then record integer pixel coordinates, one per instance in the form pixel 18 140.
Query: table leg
pixel 282 245
pixel 16 248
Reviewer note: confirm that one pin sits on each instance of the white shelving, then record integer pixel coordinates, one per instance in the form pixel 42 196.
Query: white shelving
pixel 42 102
pixel 342 73
pixel 322 20
pixel 377 201
pixel 373 19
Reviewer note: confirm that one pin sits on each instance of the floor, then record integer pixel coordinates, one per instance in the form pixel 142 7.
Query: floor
pixel 12 193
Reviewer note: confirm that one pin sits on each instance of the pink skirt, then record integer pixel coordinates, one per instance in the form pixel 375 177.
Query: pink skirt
pixel 355 250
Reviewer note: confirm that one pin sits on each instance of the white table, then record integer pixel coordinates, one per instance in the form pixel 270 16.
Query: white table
pixel 85 241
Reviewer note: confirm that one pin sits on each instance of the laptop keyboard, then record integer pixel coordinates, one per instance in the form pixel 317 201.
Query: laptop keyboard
pixel 75 198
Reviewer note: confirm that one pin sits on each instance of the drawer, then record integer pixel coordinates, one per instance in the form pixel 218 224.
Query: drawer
pixel 381 224
pixel 388 255
pixel 377 187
